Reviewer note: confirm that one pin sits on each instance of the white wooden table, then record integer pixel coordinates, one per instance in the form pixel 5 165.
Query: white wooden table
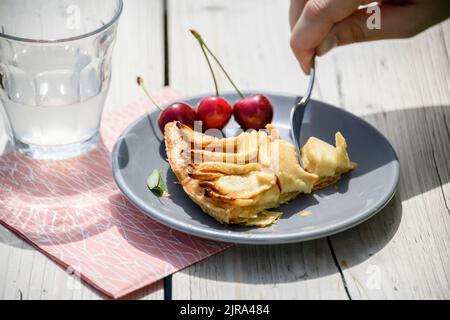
pixel 402 87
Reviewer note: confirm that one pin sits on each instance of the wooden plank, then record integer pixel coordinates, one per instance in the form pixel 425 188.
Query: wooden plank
pixel 26 273
pixel 252 40
pixel 139 50
pixel 403 88
pixel 295 271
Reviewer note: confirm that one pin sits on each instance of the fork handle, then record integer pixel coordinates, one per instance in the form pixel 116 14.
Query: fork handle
pixel 312 75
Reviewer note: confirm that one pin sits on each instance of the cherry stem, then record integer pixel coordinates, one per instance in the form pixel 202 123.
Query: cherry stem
pixel 203 44
pixel 140 82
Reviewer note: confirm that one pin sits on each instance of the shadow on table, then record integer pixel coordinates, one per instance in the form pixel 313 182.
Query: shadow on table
pixel 55 199
pixel 415 135
pixel 273 264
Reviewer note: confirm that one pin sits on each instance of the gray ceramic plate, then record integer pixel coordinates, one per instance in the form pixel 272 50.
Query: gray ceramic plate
pixel 358 196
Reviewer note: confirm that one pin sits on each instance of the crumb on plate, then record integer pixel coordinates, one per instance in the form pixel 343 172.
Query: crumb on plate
pixel 304 213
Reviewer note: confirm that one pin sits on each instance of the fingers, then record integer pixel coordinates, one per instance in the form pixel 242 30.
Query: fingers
pixel 350 30
pixel 314 24
pixel 295 10
pixel 396 22
pixel 325 24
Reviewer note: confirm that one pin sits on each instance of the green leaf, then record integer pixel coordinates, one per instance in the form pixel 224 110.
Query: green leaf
pixel 153 179
pixel 155 183
pixel 161 183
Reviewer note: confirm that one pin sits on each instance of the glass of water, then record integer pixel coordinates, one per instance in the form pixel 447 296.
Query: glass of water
pixel 55 71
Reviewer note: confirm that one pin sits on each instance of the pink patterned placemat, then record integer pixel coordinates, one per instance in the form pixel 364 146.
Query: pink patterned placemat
pixel 73 212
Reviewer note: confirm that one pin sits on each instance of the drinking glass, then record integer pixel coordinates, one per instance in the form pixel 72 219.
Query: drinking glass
pixel 55 71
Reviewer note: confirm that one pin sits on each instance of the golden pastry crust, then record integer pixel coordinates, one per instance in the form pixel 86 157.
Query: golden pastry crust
pixel 235 180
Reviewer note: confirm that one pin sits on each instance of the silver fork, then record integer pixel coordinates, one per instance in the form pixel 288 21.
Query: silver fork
pixel 299 109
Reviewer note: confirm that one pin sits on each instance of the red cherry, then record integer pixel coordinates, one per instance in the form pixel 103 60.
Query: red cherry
pixel 214 112
pixel 177 111
pixel 254 112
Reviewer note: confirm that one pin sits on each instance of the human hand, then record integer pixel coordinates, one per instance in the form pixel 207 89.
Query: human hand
pixel 320 25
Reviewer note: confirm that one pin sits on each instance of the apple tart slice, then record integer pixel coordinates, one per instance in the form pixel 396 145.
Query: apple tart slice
pixel 235 180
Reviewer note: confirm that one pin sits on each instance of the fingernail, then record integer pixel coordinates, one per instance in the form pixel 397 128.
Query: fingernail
pixel 326 45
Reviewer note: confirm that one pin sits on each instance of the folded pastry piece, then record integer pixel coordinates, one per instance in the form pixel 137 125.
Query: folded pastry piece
pixel 326 161
pixel 235 180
